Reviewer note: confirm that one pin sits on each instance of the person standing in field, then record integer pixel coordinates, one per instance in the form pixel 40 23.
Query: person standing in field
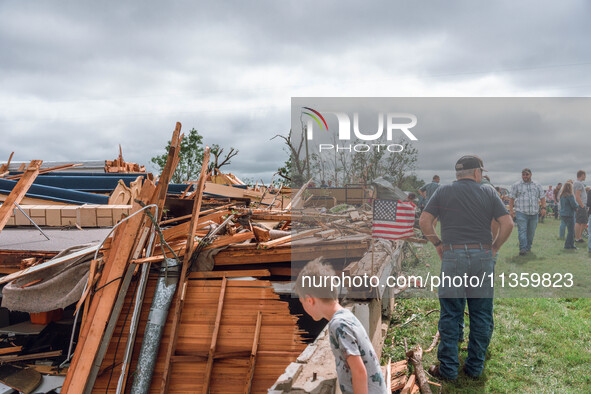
pixel 526 200
pixel 568 207
pixel 465 209
pixel 581 216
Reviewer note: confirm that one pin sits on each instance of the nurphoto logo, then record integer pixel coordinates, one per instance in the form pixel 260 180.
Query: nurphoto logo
pixel 395 122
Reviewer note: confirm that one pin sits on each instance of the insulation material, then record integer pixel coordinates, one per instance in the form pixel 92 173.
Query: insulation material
pixel 53 288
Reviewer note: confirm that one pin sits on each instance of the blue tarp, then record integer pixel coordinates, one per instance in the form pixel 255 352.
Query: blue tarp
pixel 56 194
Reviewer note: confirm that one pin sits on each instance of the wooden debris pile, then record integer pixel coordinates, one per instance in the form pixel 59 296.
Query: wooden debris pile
pixel 220 244
pixel 121 166
pixel 403 381
pixel 221 333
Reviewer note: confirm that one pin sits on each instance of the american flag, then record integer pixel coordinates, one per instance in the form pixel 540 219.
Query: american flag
pixel 393 219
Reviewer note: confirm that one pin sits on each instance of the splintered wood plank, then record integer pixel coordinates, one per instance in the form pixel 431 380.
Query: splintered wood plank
pixel 19 191
pixel 169 167
pixel 409 385
pixel 399 382
pixel 261 235
pixel 399 368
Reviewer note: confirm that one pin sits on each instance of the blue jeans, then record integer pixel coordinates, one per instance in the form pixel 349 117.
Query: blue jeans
pixel 569 223
pixel 589 239
pixel 526 228
pixel 452 300
pixel 562 229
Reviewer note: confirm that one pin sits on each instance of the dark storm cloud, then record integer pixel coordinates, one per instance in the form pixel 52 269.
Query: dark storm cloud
pixel 78 78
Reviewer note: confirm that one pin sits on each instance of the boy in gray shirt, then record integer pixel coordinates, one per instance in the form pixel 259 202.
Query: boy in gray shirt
pixel 358 368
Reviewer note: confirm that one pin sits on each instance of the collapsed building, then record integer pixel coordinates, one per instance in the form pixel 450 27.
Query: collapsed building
pixel 122 282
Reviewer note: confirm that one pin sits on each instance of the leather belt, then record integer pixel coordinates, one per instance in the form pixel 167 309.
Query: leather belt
pixel 466 246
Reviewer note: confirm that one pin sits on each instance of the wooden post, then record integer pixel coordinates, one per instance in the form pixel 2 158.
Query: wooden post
pixel 214 338
pixel 253 353
pixel 19 191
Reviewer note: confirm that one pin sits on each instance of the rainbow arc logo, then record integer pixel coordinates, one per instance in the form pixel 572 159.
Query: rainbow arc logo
pixel 315 117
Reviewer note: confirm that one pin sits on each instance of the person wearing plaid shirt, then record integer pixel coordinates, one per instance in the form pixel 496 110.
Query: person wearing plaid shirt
pixel 525 199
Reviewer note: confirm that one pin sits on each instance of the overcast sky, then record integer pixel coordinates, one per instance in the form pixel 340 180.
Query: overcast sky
pixel 79 78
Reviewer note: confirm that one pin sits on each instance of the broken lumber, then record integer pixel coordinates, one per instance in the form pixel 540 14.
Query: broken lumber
pixel 230 239
pixel 295 201
pixel 180 292
pixel 36 356
pixel 290 238
pixel 102 303
pixel 19 191
pixel 416 358
pixel 46 170
pixel 4 167
pixel 261 234
pixel 11 349
pixel 409 384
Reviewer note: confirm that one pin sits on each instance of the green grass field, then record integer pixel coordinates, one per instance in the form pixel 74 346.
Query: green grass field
pixel 542 339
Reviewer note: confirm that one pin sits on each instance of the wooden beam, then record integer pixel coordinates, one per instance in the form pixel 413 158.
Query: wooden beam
pixel 201 214
pixel 253 354
pixel 229 274
pixel 290 238
pixel 10 349
pixel 214 338
pixel 102 303
pixel 46 170
pixel 10 359
pixel 224 240
pixel 245 254
pixel 19 191
pixel 179 300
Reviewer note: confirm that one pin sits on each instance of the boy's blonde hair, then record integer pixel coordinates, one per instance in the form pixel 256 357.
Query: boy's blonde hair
pixel 314 280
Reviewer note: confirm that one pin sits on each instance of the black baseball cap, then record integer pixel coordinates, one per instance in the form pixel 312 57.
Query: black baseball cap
pixel 469 162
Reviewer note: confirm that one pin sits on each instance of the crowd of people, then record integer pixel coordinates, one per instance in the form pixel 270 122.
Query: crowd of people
pixel 572 204
pixel 528 202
